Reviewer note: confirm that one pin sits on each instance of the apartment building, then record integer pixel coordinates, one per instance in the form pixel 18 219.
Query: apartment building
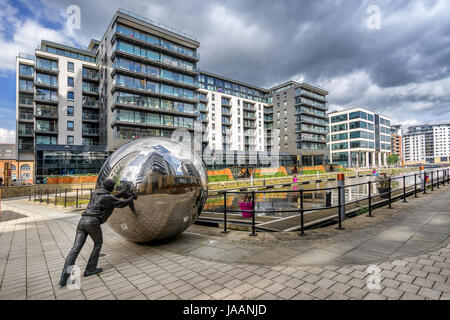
pixel 396 141
pixel 359 138
pixel 298 112
pixel 75 106
pixel 58 110
pixel 427 143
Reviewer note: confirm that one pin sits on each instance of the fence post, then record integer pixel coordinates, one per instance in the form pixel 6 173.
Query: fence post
pixel 225 212
pixel 253 234
pixel 339 208
pixel 415 185
pixel 404 189
pixel 437 178
pixel 35 194
pixel 56 196
pixel 432 180
pixel 424 181
pixel 29 194
pixel 65 197
pixel 76 203
pixel 302 221
pixel 341 183
pixel 48 197
pixel 369 185
pixel 390 195
pixel 40 191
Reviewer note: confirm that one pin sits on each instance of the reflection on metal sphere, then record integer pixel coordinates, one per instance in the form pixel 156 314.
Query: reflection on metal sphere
pixel 170 181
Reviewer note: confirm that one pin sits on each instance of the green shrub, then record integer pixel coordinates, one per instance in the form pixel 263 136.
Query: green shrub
pixel 220 178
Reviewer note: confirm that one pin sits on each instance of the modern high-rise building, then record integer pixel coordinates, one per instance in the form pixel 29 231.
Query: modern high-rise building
pixel 298 112
pixel 359 138
pixel 75 106
pixel 396 140
pixel 427 143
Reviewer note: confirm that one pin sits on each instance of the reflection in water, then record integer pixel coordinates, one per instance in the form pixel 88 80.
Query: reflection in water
pixel 272 202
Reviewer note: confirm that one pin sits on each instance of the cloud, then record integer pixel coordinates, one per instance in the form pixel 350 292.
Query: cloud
pixel 400 70
pixel 7 136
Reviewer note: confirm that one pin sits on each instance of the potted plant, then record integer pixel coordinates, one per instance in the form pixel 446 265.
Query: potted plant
pixel 245 204
pixel 383 185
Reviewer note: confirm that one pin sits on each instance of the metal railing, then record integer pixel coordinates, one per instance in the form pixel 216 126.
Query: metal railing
pixel 65 196
pixel 429 180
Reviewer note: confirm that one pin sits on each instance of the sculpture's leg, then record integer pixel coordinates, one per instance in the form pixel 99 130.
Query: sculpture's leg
pixel 95 232
pixel 80 239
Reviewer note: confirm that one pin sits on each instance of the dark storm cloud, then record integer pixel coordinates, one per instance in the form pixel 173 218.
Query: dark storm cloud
pixel 265 42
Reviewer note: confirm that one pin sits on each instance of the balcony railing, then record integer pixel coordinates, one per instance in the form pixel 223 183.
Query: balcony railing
pixel 26 146
pixel 26 116
pixel 89 131
pixel 26 132
pixel 90 116
pixel 26 101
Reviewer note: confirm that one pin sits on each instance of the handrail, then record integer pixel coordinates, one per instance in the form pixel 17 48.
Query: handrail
pixel 341 202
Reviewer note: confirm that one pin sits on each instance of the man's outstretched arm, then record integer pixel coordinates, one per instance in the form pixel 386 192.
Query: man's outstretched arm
pixel 114 202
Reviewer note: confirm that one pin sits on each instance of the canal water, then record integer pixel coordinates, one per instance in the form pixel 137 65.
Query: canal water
pixel 273 204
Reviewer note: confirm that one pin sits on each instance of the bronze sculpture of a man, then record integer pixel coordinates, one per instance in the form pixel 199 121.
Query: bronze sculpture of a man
pixel 99 209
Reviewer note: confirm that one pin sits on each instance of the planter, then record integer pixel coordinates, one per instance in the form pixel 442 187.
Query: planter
pixel 246 206
pixel 383 192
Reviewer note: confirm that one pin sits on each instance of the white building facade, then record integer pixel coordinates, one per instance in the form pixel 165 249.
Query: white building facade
pixel 359 138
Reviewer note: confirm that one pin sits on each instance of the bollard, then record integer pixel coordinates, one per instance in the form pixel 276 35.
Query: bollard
pixel 48 197
pixel 76 203
pixel 29 194
pixel 340 208
pixel 302 222
pixel 56 196
pixel 225 213
pixel 65 197
pixel 369 194
pixel 404 189
pixel 40 197
pixel 253 234
pixel 328 198
pixel 341 184
pixel 34 194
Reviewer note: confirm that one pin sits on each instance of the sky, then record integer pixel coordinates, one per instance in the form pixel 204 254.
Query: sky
pixel 391 57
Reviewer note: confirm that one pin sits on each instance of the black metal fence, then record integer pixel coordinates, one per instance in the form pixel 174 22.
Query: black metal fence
pixel 65 196
pixel 422 181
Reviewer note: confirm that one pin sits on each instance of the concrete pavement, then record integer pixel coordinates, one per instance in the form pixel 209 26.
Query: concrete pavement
pixel 410 246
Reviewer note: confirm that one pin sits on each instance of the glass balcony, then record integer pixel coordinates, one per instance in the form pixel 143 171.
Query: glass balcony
pixel 90 102
pixel 25 146
pixel 90 87
pixel 26 101
pixel 47 64
pixel 90 74
pixel 91 131
pixel 46 111
pixel 26 131
pixel 90 116
pixel 43 126
pixel 26 116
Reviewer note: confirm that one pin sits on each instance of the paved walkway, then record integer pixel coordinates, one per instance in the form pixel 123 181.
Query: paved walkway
pixel 410 245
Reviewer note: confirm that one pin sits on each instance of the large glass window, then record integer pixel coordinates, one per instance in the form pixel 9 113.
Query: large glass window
pixel 26 85
pixel 25 70
pixel 342 117
pixel 46 79
pixel 48 95
pixel 338 137
pixel 70 67
pixel 47 64
pixel 340 146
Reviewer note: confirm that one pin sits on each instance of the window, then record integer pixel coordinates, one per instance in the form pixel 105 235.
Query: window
pixel 70 96
pixel 70 67
pixel 25 167
pixel 340 118
pixel 70 111
pixel 69 125
pixel 70 82
pixel 70 140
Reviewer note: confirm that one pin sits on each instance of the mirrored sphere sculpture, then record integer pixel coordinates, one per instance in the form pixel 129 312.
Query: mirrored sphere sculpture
pixel 170 181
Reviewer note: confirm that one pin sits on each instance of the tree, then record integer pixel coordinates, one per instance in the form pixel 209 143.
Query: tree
pixel 393 159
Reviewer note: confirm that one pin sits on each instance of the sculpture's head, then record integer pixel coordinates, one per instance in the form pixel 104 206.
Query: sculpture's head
pixel 109 184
